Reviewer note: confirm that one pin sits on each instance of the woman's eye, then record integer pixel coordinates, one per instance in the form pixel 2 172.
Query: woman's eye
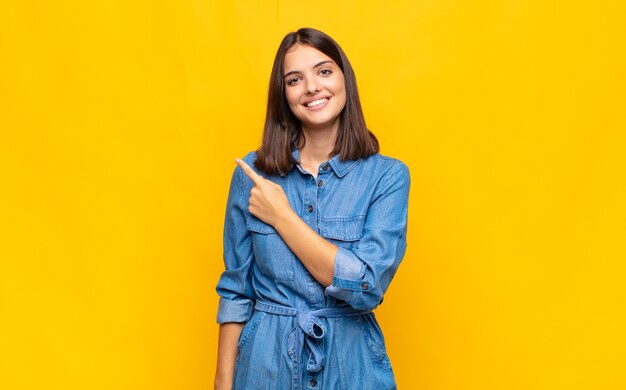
pixel 292 81
pixel 326 72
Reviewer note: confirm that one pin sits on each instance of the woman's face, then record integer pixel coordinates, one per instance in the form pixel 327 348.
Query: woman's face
pixel 314 87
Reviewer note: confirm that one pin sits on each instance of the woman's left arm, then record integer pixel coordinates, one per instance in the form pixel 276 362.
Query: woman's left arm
pixel 363 273
pixel 269 203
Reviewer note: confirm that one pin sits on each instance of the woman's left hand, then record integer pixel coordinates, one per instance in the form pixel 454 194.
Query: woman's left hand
pixel 268 200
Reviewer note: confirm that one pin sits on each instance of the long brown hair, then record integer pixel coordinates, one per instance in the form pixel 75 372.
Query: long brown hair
pixel 283 131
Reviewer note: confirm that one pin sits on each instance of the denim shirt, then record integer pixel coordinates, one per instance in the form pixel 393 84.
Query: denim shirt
pixel 361 206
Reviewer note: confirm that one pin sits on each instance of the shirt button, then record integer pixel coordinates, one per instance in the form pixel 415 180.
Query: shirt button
pixel 325 166
pixel 313 382
pixel 365 286
pixel 310 208
pixel 320 182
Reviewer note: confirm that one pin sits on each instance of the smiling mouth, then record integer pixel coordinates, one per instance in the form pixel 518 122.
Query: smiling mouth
pixel 317 102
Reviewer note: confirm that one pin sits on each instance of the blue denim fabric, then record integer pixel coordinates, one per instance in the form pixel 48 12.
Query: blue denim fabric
pixel 299 334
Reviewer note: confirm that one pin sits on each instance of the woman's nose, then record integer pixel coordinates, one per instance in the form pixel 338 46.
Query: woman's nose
pixel 312 86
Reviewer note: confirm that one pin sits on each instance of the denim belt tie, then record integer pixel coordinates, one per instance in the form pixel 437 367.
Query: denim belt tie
pixel 308 333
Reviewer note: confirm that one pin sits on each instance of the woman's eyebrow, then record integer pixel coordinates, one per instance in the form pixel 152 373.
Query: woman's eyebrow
pixel 316 65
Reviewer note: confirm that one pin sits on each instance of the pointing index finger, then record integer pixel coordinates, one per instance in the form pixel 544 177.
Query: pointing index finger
pixel 256 178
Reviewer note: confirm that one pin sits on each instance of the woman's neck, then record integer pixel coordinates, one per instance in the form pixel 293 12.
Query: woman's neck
pixel 318 145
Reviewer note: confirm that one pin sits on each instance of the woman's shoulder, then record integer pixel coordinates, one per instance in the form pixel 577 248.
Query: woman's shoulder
pixel 394 174
pixel 387 165
pixel 244 180
pixel 250 157
pixel 385 159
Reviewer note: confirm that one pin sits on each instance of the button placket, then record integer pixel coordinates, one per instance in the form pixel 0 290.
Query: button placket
pixel 321 175
pixel 309 205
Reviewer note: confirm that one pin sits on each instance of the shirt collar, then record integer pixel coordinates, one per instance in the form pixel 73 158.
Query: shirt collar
pixel 341 168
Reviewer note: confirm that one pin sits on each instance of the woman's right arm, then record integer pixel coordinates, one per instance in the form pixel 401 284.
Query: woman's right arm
pixel 226 355
pixel 235 285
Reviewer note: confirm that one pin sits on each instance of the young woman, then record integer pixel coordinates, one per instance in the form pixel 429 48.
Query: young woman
pixel 315 229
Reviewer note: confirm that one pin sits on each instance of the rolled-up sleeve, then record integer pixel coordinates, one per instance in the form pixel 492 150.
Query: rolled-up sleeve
pixel 362 274
pixel 234 286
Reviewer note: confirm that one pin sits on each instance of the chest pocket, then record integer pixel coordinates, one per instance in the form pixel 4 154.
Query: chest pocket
pixel 342 231
pixel 271 254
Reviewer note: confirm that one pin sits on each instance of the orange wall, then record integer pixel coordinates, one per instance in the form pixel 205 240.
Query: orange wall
pixel 119 123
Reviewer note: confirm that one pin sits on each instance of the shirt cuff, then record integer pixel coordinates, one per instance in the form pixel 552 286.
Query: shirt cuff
pixel 234 311
pixel 349 275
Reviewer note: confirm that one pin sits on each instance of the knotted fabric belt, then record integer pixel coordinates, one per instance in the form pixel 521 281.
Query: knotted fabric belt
pixel 308 333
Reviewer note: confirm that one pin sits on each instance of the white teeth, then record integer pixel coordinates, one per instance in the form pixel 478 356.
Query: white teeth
pixel 316 102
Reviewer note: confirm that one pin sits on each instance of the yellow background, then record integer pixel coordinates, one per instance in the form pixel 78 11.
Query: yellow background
pixel 120 121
